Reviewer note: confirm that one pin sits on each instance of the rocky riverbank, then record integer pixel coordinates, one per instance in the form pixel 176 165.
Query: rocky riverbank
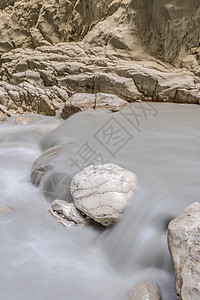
pixel 52 50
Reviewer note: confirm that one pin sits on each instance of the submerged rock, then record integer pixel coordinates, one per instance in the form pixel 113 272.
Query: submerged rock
pixel 23 119
pixel 102 192
pixel 145 291
pixel 43 164
pixel 184 245
pixel 67 214
pixel 5 209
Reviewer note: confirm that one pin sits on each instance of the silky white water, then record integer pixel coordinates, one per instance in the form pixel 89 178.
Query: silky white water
pixel 41 259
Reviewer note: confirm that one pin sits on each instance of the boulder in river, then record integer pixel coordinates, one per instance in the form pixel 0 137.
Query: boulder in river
pixel 102 191
pixel 184 245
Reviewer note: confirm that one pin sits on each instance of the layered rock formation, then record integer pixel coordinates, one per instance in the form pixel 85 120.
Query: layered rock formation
pixel 41 80
pixel 25 97
pixel 115 47
pixel 167 29
pixel 32 23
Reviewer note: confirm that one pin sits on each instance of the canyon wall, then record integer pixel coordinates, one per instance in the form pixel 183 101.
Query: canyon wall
pixel 165 29
pixel 139 50
pixel 169 29
pixel 32 23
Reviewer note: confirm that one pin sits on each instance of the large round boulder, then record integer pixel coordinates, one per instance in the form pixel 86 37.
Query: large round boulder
pixel 102 191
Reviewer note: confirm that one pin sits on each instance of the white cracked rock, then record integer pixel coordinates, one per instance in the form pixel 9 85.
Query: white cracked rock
pixel 102 191
pixel 67 214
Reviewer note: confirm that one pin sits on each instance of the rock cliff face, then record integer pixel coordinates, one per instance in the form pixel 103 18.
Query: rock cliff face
pixel 167 29
pixel 139 50
pixel 32 23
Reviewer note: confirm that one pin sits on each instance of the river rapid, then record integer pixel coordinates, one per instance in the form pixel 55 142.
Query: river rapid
pixel 41 259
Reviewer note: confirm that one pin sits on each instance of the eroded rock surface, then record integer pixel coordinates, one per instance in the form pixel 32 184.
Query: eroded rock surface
pixel 184 245
pixel 144 291
pixel 32 23
pixel 118 47
pixel 25 97
pixel 72 70
pixel 169 28
pixel 166 29
pixel 70 67
pixel 102 192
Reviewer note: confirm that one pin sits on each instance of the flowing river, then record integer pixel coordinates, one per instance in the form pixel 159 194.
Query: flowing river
pixel 41 259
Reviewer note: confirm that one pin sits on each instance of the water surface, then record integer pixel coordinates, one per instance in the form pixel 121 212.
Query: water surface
pixel 40 259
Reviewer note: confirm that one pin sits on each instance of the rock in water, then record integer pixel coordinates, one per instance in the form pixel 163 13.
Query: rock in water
pixel 109 101
pixel 184 245
pixel 102 191
pixel 83 101
pixel 67 214
pixel 145 291
pixel 5 209
pixel 76 103
pixel 43 164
